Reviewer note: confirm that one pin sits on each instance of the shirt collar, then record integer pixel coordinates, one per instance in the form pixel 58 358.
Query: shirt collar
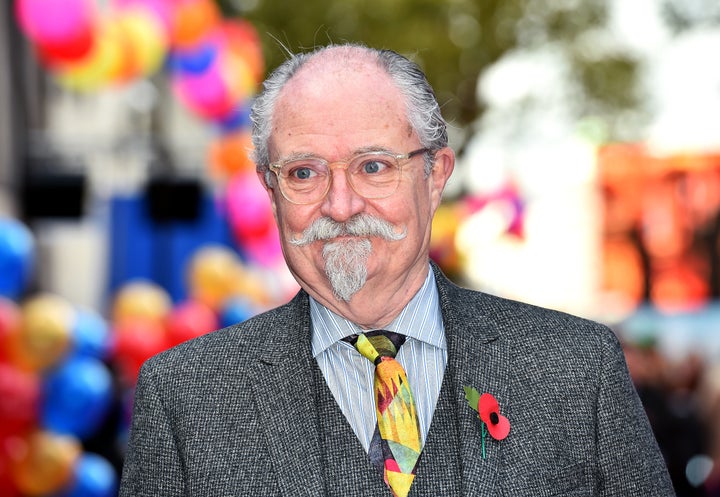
pixel 421 319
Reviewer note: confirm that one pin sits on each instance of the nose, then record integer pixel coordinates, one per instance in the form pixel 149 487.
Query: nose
pixel 341 201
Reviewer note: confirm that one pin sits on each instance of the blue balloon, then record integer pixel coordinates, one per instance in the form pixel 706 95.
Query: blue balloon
pixel 17 251
pixel 239 118
pixel 91 335
pixel 194 60
pixel 76 397
pixel 236 310
pixel 94 477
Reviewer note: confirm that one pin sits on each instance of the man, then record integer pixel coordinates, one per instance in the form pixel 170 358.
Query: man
pixel 352 149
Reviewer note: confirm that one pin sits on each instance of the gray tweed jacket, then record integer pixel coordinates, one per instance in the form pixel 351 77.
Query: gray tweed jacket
pixel 232 412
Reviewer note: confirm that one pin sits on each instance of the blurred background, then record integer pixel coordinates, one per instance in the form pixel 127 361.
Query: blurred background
pixel 588 180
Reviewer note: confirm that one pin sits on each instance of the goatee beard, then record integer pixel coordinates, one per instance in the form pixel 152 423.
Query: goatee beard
pixel 346 266
pixel 346 259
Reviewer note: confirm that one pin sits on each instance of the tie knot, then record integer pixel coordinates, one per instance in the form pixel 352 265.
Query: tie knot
pixel 377 344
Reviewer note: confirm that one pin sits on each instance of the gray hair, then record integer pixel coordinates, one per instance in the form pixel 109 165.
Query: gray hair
pixel 423 111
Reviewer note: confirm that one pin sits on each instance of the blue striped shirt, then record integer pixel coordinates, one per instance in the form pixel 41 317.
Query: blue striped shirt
pixel 350 376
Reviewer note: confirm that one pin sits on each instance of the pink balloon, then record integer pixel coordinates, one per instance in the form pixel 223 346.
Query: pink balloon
pixel 206 93
pixel 249 210
pixel 55 22
pixel 265 249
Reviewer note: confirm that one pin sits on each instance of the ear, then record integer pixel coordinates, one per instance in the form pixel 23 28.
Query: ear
pixel 440 174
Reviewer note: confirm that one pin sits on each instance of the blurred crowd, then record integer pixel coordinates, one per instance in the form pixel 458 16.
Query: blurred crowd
pixel 682 400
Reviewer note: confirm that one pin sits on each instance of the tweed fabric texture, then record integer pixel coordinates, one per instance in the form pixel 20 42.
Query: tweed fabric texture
pixel 226 414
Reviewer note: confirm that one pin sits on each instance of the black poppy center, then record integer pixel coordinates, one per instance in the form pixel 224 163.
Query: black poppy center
pixel 494 419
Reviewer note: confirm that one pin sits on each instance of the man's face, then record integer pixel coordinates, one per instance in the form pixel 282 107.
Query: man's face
pixel 333 113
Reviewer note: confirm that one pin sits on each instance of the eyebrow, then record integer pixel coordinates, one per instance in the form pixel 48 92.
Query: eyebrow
pixel 308 155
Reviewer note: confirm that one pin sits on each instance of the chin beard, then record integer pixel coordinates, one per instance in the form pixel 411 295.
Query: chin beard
pixel 346 266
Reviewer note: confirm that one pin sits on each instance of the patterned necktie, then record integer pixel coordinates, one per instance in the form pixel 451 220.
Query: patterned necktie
pixel 397 422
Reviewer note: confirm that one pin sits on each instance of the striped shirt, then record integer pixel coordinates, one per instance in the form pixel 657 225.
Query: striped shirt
pixel 350 376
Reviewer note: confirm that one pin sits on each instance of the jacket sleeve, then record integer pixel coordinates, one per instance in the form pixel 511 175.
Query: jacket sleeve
pixel 629 459
pixel 152 467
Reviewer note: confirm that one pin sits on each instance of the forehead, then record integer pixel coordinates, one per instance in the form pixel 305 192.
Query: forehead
pixel 337 105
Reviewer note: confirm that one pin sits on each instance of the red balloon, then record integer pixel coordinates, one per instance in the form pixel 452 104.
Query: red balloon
pixel 54 53
pixel 7 482
pixel 189 320
pixel 135 341
pixel 19 400
pixel 9 323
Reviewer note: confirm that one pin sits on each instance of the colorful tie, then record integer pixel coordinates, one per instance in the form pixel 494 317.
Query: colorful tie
pixel 395 409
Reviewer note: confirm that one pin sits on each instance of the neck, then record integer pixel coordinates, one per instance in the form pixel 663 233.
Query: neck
pixel 377 304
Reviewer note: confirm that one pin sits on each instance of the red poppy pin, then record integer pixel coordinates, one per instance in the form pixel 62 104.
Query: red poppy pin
pixel 488 410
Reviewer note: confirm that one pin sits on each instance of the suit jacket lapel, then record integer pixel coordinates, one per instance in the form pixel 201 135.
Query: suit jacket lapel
pixel 478 357
pixel 283 389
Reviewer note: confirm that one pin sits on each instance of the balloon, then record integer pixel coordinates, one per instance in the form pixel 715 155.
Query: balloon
pixel 94 476
pixel 17 250
pixel 238 118
pixel 141 299
pixel 9 324
pixel 55 21
pixel 192 20
pixel 243 41
pixel 47 463
pixel 105 64
pixel 45 335
pixel 7 482
pixel 230 154
pixel 19 400
pixel 264 248
pixel 146 41
pixel 135 341
pixel 189 320
pixel 249 210
pixel 194 59
pixel 161 10
pixel 236 310
pixel 212 272
pixel 74 48
pixel 77 396
pixel 91 335
pixel 206 94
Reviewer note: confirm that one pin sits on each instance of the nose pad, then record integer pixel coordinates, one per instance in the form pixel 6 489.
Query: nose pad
pixel 341 201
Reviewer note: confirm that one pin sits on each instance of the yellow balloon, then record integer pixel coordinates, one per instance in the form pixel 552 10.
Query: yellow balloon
pixel 146 39
pixel 45 334
pixel 213 273
pixel 141 299
pixel 46 463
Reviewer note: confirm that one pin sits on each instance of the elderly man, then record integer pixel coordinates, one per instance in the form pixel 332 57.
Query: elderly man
pixel 381 377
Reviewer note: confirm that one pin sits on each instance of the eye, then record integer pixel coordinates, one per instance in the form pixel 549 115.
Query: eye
pixel 303 170
pixel 374 166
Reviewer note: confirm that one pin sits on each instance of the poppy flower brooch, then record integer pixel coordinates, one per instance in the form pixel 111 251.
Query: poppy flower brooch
pixel 488 410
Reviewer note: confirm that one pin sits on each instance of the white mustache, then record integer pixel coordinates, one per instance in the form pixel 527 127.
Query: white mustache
pixel 365 225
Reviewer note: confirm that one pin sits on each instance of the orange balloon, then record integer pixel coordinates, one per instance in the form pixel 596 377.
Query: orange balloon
pixel 45 335
pixel 213 271
pixel 193 20
pixel 230 154
pixel 141 299
pixel 46 465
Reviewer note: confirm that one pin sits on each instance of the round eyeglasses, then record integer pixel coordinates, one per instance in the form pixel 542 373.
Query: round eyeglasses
pixel 371 175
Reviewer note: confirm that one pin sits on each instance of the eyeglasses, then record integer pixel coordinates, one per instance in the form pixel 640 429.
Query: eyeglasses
pixel 371 175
